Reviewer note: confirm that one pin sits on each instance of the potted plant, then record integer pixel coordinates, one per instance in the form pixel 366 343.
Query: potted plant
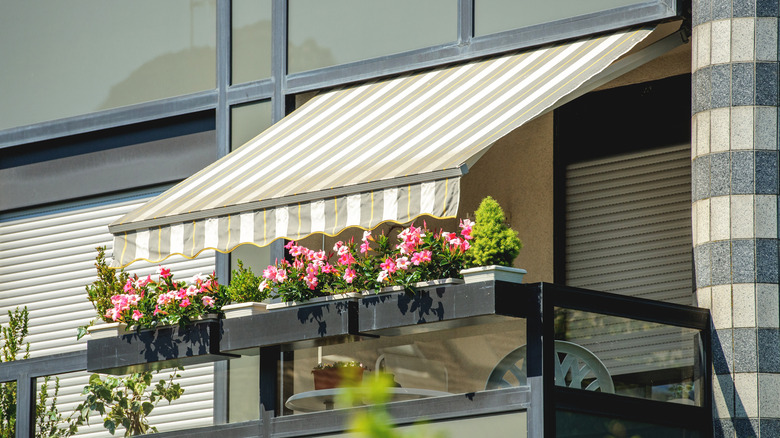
pixel 494 246
pixel 245 294
pixel 136 303
pixel 338 374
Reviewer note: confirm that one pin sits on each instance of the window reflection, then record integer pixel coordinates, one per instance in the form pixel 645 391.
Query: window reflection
pixel 121 53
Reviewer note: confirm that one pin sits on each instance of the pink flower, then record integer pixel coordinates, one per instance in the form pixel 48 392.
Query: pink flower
pixel 270 272
pixel 208 301
pixel 296 250
pixel 346 260
pixel 281 276
pixel 157 310
pixel 192 290
pixel 421 257
pixel 290 244
pixel 137 315
pixel 164 272
pixel 184 303
pixel 402 263
pixel 340 248
pixel 349 275
pixel 383 275
pixel 466 228
pixel 263 285
pixel 311 281
pixel 389 265
pixel 364 247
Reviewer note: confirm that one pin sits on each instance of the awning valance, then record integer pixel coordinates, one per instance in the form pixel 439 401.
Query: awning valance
pixel 389 150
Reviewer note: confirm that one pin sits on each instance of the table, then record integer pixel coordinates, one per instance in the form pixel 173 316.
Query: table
pixel 323 399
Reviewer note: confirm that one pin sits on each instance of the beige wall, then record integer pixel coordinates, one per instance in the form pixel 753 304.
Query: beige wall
pixel 518 172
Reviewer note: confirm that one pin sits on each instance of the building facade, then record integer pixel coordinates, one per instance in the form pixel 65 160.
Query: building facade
pixel 657 179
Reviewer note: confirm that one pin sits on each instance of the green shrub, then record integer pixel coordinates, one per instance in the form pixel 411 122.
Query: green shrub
pixel 244 286
pixel 494 242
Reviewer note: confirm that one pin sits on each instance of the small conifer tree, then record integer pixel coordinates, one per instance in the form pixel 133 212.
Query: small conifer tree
pixel 494 242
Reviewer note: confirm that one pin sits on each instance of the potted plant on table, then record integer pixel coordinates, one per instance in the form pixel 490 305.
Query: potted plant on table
pixel 338 374
pixel 494 246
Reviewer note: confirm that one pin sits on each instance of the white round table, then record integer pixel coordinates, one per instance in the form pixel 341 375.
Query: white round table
pixel 324 399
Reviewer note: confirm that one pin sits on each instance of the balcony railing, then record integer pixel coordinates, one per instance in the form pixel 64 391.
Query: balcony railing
pixel 658 357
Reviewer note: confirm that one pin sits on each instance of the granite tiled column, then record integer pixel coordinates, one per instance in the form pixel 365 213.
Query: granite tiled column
pixel 734 143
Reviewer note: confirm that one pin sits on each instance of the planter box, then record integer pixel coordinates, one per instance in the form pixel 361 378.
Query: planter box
pixel 493 273
pixel 338 298
pixel 107 330
pixel 241 310
pixel 155 349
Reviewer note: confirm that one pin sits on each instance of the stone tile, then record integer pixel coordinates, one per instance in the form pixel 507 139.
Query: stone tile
pixel 744 302
pixel 721 9
pixel 742 173
pixel 743 39
pixel 701 94
pixel 720 264
pixel 768 350
pixel 701 221
pixel 720 218
pixel 719 77
pixel 742 83
pixel 769 426
pixel 767 261
pixel 703 50
pixel 723 428
pixel 766 39
pixel 746 427
pixel 745 355
pixel 746 395
pixel 703 297
pixel 700 184
pixel 767 8
pixel 766 216
pixel 766 83
pixel 720 42
pixel 767 306
pixel 766 172
pixel 742 217
pixel 742 127
pixel 701 11
pixel 744 8
pixel 723 396
pixel 769 396
pixel 702 133
pixel 701 257
pixel 766 127
pixel 723 351
pixel 720 174
pixel 743 261
pixel 721 307
pixel 720 129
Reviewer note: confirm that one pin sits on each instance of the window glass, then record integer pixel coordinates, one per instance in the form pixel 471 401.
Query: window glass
pixel 62 59
pixel 579 425
pixel 244 387
pixel 630 357
pixel 514 425
pixel 247 121
pixel 491 16
pixel 325 33
pixel 421 365
pixel 251 39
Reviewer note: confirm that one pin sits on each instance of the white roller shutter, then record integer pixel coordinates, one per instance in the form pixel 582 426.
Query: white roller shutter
pixel 46 260
pixel 628 231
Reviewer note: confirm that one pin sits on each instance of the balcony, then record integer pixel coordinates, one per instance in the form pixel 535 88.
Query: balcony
pixel 469 356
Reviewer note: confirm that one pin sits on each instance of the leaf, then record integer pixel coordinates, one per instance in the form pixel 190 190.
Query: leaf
pixel 110 425
pixel 81 331
pixel 147 407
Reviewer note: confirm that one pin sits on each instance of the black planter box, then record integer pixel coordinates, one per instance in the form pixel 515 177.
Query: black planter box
pixel 156 349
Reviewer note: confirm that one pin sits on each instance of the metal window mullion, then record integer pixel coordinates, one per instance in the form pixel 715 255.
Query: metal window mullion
pixel 279 58
pixel 465 21
pixel 25 406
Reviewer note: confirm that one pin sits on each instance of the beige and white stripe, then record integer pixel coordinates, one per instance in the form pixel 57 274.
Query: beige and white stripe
pixel 358 156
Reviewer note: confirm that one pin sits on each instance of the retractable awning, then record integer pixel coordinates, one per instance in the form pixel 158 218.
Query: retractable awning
pixel 389 150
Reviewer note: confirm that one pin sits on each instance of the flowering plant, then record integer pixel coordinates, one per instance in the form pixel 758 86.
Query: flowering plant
pixel 148 302
pixel 419 255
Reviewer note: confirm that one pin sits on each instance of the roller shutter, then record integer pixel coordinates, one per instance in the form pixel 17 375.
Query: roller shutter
pixel 628 231
pixel 46 259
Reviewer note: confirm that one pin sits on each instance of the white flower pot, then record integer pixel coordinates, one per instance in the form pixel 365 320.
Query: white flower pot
pixel 351 296
pixel 239 310
pixel 107 330
pixel 384 290
pixel 493 273
pixel 439 282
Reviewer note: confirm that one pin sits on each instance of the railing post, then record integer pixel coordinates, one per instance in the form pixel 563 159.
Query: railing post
pixel 25 406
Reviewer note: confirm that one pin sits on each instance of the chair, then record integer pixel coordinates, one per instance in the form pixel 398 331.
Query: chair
pixel 573 365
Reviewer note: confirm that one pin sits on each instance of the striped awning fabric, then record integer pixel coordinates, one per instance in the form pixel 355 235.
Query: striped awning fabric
pixel 389 150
